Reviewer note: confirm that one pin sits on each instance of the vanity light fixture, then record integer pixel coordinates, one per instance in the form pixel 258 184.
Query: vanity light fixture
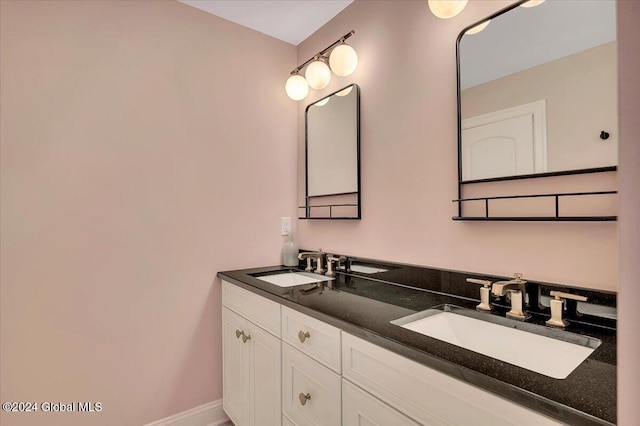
pixel 343 60
pixel 481 26
pixel 296 87
pixel 532 3
pixel 445 9
pixel 318 74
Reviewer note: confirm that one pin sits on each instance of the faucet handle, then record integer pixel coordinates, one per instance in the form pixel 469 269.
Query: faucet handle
pixel 337 260
pixel 330 260
pixel 484 283
pixel 558 295
pixel 556 319
pixel 484 293
pixel 309 267
pixel 517 277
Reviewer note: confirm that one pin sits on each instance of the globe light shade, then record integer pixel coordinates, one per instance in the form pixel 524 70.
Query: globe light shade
pixel 478 28
pixel 343 60
pixel 318 74
pixel 532 3
pixel 322 102
pixel 296 87
pixel 445 9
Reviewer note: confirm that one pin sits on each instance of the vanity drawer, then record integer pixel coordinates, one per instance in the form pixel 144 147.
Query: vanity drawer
pixel 286 421
pixel 426 395
pixel 360 408
pixel 315 338
pixel 310 391
pixel 257 309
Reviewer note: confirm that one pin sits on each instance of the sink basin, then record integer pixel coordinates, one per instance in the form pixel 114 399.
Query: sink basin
pixel 367 269
pixel 554 353
pixel 291 278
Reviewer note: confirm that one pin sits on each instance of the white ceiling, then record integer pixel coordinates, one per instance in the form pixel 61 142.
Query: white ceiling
pixel 288 20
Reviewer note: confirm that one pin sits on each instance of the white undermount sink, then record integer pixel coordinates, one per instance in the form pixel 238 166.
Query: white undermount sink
pixel 292 278
pixel 367 269
pixel 554 353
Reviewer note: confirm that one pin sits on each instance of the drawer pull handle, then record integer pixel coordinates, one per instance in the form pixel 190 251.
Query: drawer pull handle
pixel 303 336
pixel 245 337
pixel 304 398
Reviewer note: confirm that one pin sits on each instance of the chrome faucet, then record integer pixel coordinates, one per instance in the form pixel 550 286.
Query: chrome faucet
pixel 517 289
pixel 319 256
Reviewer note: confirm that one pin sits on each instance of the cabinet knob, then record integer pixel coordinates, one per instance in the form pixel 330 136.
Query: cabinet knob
pixel 303 335
pixel 304 397
pixel 245 337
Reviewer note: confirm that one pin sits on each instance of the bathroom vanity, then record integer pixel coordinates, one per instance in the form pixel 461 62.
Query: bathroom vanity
pixel 332 352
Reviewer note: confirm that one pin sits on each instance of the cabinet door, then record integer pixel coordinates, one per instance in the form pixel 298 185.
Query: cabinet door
pixel 362 409
pixel 234 372
pixel 310 391
pixel 265 387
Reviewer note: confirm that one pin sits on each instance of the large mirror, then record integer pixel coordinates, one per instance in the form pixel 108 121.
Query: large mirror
pixel 332 156
pixel 538 91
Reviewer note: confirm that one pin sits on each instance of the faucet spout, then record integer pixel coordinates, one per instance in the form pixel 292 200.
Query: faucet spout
pixel 500 288
pixel 319 256
pixel 517 289
pixel 307 254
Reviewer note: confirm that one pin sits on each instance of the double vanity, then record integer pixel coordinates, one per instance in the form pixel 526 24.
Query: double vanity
pixel 391 344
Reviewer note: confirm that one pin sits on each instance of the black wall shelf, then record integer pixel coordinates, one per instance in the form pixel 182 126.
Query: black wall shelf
pixel 557 217
pixel 308 215
pixel 539 218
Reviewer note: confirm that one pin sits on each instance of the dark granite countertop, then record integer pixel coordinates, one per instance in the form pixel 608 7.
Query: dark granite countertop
pixel 364 306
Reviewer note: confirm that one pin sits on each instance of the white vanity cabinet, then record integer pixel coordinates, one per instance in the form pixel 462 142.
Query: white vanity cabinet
pixel 282 367
pixel 251 358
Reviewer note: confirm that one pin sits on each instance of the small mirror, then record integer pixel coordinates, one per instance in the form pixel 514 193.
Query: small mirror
pixel 538 91
pixel 332 156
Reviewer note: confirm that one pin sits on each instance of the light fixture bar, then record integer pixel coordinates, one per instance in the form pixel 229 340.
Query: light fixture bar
pixel 322 52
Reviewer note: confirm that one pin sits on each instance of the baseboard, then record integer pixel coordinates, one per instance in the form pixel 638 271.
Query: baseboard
pixel 209 414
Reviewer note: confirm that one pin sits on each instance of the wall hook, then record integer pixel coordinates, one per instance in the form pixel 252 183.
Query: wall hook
pixel 604 135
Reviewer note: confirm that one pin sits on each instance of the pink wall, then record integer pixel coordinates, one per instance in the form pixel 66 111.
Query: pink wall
pixel 407 75
pixel 141 153
pixel 629 224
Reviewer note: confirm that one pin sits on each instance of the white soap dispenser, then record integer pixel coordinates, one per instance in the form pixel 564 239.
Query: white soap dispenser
pixel 290 252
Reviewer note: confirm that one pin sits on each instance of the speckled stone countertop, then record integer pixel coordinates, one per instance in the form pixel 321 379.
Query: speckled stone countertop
pixel 364 305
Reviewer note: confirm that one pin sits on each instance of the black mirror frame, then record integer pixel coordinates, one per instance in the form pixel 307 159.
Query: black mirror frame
pixel 307 207
pixel 461 182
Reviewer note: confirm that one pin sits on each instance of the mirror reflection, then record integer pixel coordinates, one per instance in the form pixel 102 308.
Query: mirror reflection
pixel 538 90
pixel 332 156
